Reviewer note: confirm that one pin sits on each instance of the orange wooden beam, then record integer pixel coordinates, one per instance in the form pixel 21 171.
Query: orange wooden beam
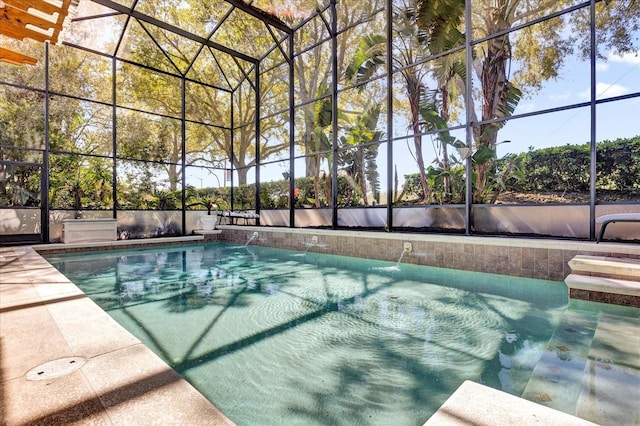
pixel 64 12
pixel 25 5
pixel 20 33
pixel 22 18
pixel 35 19
pixel 16 58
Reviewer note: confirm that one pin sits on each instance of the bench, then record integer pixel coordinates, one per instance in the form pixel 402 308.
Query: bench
pixel 606 219
pixel 232 217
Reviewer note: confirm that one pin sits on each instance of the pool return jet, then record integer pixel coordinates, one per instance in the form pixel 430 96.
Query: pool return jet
pixel 253 237
pixel 314 242
pixel 407 247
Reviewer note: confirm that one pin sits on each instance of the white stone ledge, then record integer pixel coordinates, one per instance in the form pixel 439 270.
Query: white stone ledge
pixel 476 404
pixel 44 248
pixel 207 232
pixel 603 284
pixel 602 265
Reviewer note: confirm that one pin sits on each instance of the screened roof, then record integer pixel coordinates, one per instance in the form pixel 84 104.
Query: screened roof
pixel 215 41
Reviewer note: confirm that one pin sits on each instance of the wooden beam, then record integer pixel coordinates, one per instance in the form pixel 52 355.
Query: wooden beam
pixel 35 19
pixel 22 18
pixel 16 58
pixel 64 11
pixel 20 33
pixel 18 16
pixel 25 5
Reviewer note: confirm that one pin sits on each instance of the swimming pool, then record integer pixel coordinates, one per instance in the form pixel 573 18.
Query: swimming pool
pixel 273 336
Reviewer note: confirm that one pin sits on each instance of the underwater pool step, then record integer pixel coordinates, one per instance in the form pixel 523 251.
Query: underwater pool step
pixel 611 391
pixel 556 379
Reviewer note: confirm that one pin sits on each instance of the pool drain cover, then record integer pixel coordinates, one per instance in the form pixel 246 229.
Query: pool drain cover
pixel 56 368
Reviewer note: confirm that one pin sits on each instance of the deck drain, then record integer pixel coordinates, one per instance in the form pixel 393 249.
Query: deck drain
pixel 56 368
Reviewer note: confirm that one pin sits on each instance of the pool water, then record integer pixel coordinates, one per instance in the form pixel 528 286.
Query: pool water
pixel 273 336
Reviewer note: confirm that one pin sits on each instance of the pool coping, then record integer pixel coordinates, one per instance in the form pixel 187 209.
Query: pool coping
pixel 43 317
pixel 495 407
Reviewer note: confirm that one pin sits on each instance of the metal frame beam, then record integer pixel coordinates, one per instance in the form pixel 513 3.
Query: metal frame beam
pixel 44 179
pixel 390 169
pixel 114 135
pixel 592 108
pixel 172 28
pixel 261 15
pixel 334 114
pixel 468 203
pixel 292 131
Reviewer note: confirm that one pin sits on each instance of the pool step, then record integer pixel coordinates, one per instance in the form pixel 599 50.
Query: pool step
pixel 605 279
pixel 555 380
pixel 604 266
pixel 611 389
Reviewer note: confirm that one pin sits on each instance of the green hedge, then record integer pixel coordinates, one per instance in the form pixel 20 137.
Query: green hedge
pixel 275 194
pixel 567 168
pixel 560 169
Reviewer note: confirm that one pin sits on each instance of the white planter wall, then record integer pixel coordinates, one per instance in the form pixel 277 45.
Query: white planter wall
pixel 89 230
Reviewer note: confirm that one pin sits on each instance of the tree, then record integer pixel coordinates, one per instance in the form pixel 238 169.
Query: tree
pixel 420 29
pixel 75 126
pixel 439 28
pixel 359 160
pixel 313 72
pixel 224 80
pixel 540 50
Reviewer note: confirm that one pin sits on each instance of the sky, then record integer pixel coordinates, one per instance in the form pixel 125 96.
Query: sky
pixel 617 76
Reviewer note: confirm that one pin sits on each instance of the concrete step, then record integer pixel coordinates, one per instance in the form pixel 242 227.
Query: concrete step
pixel 556 379
pixel 476 404
pixel 605 279
pixel 613 267
pixel 610 285
pixel 611 380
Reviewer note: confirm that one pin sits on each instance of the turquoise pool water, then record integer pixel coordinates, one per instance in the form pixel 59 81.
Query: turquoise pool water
pixel 273 336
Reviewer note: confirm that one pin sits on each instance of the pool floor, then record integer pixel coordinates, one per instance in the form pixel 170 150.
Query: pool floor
pixel 273 334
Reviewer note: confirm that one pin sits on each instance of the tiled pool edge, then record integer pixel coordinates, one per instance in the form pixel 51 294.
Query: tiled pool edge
pixel 44 317
pixel 605 279
pixel 531 258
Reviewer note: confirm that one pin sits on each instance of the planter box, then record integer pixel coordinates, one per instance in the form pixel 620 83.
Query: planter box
pixel 208 222
pixel 89 230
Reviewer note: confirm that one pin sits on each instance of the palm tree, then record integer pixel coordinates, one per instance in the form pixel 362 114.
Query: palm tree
pixel 439 24
pixel 422 29
pixel 360 161
pixel 209 202
pixel 320 117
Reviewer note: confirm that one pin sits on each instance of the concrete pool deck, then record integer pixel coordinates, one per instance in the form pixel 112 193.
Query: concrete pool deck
pixel 44 317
